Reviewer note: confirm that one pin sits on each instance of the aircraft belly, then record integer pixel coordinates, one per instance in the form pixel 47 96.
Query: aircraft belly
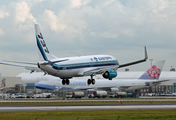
pixel 49 70
pixel 61 73
pixel 67 73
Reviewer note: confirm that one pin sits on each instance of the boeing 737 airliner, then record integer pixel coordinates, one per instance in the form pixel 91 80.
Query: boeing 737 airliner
pixel 69 67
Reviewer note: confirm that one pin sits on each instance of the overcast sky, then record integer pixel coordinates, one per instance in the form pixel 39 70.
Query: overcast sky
pixel 85 27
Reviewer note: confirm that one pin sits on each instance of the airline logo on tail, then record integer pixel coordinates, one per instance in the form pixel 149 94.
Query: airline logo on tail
pixel 43 43
pixel 154 72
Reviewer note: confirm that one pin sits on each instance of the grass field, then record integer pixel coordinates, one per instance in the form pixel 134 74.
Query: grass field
pixel 92 115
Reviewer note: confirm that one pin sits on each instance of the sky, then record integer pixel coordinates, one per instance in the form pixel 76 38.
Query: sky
pixel 120 28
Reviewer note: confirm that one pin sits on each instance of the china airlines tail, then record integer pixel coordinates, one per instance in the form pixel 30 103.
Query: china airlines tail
pixel 44 53
pixel 154 72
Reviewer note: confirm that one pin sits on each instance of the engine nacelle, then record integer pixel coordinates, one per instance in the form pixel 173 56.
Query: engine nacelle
pixel 110 74
pixel 114 89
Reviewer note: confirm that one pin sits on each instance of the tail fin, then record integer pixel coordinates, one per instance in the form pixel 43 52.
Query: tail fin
pixel 44 53
pixel 154 72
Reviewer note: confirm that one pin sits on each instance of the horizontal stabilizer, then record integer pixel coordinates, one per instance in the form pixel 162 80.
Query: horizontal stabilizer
pixel 51 62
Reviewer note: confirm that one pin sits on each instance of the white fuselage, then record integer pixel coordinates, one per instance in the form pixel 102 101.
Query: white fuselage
pixel 101 83
pixel 76 66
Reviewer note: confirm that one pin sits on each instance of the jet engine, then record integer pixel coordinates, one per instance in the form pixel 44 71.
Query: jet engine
pixel 110 74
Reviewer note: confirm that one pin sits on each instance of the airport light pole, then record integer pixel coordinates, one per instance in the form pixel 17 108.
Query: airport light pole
pixel 151 61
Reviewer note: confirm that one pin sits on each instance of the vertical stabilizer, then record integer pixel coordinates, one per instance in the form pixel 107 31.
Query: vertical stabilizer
pixel 44 53
pixel 155 71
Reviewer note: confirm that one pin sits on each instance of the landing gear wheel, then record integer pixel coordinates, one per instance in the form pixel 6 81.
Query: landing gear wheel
pixel 93 81
pixel 67 81
pixel 89 81
pixel 63 82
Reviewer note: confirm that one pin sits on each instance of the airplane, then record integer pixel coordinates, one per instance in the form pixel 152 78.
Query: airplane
pixel 149 78
pixel 69 67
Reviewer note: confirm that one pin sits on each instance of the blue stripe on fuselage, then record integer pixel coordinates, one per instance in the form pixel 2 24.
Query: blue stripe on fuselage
pixel 84 65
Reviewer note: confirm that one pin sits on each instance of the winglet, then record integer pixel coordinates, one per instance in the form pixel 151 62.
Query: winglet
pixel 146 56
pixel 136 62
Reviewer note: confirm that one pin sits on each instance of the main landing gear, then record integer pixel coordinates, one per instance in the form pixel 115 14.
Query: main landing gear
pixel 91 81
pixel 65 81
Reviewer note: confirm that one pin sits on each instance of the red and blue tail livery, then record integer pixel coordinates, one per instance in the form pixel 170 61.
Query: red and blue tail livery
pixel 155 71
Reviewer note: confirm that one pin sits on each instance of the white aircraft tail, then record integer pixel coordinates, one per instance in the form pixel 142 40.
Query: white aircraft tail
pixel 155 71
pixel 44 53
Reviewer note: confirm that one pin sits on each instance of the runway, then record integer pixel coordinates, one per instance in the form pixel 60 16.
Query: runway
pixel 68 108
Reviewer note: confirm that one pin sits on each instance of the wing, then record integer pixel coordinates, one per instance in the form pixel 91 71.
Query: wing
pixel 152 83
pixel 136 62
pixel 22 62
pixel 157 82
pixel 99 70
pixel 104 69
pixel 32 68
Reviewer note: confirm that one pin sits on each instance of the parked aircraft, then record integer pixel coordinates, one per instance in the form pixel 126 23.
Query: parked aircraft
pixel 66 68
pixel 149 78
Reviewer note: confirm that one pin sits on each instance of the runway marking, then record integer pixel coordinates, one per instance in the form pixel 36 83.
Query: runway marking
pixel 40 109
